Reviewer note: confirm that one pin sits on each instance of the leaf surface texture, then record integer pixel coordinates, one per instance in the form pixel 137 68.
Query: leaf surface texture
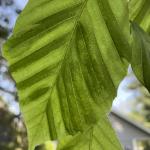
pixel 68 58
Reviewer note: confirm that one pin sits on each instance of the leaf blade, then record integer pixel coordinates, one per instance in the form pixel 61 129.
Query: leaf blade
pixel 64 88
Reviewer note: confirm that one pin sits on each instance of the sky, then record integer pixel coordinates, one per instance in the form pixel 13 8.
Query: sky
pixel 8 16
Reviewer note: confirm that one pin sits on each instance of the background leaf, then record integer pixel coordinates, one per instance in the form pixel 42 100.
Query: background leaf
pixel 140 13
pixel 141 55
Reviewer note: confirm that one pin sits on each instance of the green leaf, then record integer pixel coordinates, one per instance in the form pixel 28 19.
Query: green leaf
pixel 68 58
pixel 140 13
pixel 141 55
pixel 94 138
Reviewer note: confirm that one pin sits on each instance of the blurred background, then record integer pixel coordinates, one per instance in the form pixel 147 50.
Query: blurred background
pixel 12 129
pixel 130 114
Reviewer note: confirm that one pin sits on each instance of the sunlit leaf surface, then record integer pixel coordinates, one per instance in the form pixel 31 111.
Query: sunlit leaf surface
pixel 68 58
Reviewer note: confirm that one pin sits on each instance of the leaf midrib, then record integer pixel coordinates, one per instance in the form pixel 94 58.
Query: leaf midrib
pixel 78 16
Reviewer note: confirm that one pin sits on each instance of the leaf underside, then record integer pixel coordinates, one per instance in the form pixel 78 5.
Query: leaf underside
pixel 68 58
